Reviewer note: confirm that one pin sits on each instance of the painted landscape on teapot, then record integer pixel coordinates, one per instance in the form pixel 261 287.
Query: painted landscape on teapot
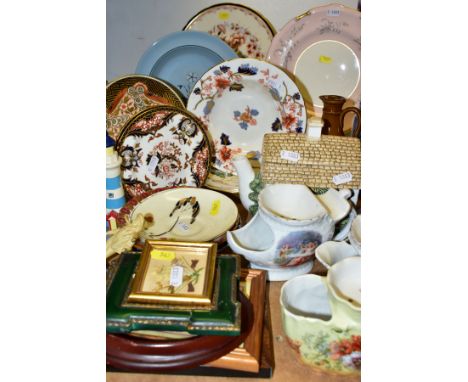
pixel 297 247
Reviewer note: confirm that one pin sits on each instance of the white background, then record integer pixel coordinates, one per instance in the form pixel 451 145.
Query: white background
pixel 132 26
pixel 414 166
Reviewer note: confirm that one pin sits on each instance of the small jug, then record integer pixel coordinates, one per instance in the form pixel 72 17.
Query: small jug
pixel 333 115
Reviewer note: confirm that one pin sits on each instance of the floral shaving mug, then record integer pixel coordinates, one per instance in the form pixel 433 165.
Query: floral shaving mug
pixel 322 317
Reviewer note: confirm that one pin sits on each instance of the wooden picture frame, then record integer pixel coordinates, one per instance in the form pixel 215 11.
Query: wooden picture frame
pixel 175 273
pixel 247 356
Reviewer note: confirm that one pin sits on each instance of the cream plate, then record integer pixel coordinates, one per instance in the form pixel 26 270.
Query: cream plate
pixel 242 99
pixel 242 28
pixel 322 48
pixel 187 214
pixel 328 67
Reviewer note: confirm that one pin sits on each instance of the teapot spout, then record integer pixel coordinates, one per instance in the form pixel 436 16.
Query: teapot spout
pixel 246 175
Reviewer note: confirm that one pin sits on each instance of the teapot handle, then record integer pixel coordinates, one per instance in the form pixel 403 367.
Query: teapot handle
pixel 355 110
pixel 345 193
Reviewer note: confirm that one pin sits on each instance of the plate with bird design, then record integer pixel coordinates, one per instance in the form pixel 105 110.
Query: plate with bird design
pixel 242 99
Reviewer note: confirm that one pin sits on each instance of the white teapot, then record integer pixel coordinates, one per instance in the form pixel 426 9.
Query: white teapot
pixel 290 223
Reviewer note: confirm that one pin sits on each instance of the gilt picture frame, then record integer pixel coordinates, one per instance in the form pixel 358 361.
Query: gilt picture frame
pixel 175 273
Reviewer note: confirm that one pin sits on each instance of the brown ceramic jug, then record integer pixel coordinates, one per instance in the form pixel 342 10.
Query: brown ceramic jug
pixel 333 115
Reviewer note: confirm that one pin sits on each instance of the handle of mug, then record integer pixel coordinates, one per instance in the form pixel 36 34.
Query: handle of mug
pixel 356 111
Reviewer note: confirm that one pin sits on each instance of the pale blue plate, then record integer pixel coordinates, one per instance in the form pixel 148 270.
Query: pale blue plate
pixel 181 58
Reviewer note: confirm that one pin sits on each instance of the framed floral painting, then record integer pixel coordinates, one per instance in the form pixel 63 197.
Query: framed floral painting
pixel 175 273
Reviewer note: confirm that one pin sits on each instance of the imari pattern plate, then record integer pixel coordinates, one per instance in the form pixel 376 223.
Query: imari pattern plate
pixel 242 99
pixel 163 146
pixel 129 95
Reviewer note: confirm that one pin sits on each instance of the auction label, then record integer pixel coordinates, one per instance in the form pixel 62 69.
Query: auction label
pixel 290 155
pixel 153 163
pixel 345 177
pixel 162 255
pixel 177 275
pixel 215 207
pixel 325 59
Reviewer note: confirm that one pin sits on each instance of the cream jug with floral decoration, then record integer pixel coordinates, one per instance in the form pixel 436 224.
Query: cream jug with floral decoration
pixel 322 317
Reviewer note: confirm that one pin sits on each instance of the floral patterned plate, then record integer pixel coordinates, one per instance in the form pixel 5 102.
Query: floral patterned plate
pixel 184 214
pixel 163 146
pixel 127 96
pixel 242 28
pixel 322 48
pixel 241 100
pixel 181 58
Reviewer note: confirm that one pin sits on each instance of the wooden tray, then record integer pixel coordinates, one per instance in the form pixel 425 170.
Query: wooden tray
pixel 142 355
pixel 267 364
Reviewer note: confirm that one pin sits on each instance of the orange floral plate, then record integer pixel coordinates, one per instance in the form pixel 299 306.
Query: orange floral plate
pixel 242 99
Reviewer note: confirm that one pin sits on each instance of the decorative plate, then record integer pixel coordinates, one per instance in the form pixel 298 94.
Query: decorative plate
pixel 241 100
pixel 220 181
pixel 183 214
pixel 163 146
pixel 322 48
pixel 243 29
pixel 181 58
pixel 127 96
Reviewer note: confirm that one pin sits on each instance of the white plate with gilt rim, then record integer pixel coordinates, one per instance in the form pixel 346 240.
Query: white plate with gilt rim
pixel 242 28
pixel 242 99
pixel 322 48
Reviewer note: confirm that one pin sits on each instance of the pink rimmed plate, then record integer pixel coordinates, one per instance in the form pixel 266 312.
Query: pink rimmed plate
pixel 322 48
pixel 242 99
pixel 163 146
pixel 243 29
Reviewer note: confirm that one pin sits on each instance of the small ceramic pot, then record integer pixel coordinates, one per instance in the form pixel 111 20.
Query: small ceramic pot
pixel 330 252
pixel 322 317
